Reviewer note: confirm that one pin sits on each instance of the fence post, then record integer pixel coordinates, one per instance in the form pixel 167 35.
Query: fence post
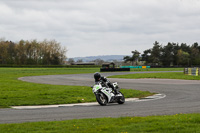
pixel 197 72
pixel 189 71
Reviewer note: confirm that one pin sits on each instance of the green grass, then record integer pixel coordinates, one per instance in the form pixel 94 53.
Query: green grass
pixel 14 92
pixel 169 75
pixel 179 123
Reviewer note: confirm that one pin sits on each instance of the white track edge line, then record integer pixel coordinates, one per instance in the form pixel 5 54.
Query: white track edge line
pixel 149 98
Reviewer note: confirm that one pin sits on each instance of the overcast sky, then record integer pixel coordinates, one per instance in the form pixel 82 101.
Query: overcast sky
pixel 101 27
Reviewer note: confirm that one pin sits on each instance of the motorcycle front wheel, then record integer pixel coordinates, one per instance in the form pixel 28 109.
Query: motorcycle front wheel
pixel 102 99
pixel 121 100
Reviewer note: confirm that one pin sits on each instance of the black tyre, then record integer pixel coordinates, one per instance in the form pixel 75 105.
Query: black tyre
pixel 102 99
pixel 121 99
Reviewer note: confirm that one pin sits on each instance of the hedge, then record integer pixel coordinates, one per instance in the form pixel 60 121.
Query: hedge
pixel 52 66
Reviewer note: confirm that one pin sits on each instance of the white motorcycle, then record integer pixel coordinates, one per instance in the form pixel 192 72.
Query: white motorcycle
pixel 105 95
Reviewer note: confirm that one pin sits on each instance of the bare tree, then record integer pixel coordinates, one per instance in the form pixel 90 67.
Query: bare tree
pixel 32 52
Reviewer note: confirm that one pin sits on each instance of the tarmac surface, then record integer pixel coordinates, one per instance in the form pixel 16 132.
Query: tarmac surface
pixel 177 96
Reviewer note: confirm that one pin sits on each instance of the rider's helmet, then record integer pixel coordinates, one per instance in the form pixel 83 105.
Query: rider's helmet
pixel 97 76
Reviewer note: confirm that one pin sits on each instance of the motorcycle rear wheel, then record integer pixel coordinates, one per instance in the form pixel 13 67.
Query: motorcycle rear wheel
pixel 102 99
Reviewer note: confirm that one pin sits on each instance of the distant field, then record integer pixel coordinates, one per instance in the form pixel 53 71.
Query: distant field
pixel 179 123
pixel 15 93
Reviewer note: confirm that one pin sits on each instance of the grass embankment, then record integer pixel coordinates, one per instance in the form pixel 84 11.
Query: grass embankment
pixel 14 92
pixel 183 123
pixel 169 75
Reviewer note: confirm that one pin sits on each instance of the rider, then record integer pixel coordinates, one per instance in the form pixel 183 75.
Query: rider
pixel 104 81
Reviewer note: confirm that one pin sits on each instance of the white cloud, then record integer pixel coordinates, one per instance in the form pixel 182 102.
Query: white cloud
pixel 101 27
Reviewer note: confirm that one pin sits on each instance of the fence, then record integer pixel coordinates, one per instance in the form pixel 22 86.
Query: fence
pixel 135 67
pixel 192 71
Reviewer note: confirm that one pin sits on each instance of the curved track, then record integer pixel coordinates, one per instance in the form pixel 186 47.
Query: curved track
pixel 182 96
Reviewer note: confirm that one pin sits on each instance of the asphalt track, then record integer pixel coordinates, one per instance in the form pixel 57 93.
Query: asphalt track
pixel 182 96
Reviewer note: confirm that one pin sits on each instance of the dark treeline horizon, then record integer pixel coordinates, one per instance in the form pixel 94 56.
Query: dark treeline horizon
pixel 51 53
pixel 171 54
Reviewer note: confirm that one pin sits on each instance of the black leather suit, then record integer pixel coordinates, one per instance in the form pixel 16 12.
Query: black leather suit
pixel 105 83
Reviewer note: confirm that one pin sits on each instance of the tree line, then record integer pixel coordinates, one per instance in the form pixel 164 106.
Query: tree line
pixel 172 54
pixel 32 52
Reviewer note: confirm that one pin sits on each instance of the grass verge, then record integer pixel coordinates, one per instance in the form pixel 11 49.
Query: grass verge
pixel 183 123
pixel 169 75
pixel 18 93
